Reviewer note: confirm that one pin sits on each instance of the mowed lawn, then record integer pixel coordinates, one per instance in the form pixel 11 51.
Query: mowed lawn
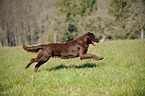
pixel 121 72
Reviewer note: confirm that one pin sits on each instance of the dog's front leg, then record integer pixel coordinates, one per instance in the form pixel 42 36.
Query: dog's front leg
pixel 85 56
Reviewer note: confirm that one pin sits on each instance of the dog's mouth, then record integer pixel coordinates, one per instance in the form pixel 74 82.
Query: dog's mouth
pixel 94 43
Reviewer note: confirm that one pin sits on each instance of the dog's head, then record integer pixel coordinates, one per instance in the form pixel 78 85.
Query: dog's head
pixel 91 38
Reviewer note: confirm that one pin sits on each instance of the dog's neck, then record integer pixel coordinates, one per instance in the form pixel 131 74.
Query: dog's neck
pixel 83 40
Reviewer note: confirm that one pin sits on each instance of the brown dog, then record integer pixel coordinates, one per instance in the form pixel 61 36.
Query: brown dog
pixel 71 49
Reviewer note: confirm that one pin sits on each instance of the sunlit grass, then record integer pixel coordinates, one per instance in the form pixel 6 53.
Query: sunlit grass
pixel 121 72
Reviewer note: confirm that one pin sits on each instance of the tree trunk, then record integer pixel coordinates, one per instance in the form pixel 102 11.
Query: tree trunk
pixel 1 44
pixel 54 37
pixel 142 33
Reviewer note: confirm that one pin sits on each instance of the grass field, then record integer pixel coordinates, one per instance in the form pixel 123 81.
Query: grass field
pixel 121 72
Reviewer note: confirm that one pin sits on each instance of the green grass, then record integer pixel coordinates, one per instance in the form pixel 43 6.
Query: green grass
pixel 121 72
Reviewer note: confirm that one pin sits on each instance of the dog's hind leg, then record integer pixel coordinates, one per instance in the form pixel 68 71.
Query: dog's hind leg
pixel 39 55
pixel 32 61
pixel 38 65
pixel 40 62
pixel 42 58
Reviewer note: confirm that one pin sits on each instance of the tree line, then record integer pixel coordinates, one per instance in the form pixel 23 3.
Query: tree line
pixel 40 21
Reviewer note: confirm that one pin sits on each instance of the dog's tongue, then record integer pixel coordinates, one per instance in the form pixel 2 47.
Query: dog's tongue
pixel 94 43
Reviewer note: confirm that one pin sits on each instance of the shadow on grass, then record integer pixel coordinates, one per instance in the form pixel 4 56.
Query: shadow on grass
pixel 87 65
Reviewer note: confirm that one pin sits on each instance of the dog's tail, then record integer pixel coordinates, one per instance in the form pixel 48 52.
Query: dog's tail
pixel 33 48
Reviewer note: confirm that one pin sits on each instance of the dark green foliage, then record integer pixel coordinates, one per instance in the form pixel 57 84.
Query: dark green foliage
pixel 129 18
pixel 73 8
pixel 76 7
pixel 119 9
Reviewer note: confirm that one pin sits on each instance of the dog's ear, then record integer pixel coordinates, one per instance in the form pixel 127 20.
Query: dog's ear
pixel 88 33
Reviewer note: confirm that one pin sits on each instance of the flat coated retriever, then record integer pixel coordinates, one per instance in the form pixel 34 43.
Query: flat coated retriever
pixel 71 49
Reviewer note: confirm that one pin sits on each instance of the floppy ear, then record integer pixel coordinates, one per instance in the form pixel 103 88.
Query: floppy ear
pixel 86 36
pixel 88 33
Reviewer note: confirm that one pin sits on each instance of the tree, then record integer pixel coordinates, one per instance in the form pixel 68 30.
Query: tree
pixel 119 9
pixel 137 17
pixel 21 21
pixel 126 16
pixel 57 26
pixel 74 8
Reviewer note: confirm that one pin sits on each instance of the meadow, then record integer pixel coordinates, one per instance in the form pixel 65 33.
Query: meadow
pixel 120 73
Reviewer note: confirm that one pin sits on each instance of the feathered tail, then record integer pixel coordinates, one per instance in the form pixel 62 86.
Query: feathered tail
pixel 33 48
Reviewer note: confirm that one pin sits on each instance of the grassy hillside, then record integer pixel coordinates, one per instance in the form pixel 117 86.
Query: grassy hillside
pixel 122 72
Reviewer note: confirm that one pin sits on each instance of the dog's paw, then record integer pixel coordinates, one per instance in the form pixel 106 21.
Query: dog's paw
pixel 101 58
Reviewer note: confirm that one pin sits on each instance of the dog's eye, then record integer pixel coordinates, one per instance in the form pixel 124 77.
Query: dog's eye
pixel 91 37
